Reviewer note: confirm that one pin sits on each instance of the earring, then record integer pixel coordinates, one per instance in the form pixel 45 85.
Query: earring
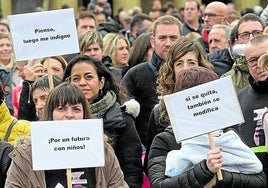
pixel 101 92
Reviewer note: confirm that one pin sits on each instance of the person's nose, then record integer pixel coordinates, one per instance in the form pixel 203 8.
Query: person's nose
pixel 82 81
pixel 69 114
pixel 169 42
pixel 125 51
pixel 250 37
pixel 185 65
pixel 39 105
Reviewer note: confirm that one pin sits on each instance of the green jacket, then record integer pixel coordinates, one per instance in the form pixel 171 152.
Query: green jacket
pixel 239 74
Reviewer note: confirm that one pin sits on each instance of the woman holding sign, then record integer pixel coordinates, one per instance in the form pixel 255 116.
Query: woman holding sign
pixel 105 98
pixel 184 53
pixel 167 157
pixel 65 102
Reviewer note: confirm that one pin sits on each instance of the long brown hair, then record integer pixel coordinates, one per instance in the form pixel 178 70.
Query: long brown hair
pixel 166 78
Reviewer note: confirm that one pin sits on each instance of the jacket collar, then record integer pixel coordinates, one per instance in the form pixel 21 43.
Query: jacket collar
pixel 259 87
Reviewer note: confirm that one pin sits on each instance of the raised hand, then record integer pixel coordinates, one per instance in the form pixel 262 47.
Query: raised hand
pixel 33 71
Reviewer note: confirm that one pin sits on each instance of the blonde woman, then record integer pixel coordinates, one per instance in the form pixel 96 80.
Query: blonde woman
pixel 117 47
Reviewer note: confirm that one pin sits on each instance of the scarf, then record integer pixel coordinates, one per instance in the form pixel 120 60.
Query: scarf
pixel 99 108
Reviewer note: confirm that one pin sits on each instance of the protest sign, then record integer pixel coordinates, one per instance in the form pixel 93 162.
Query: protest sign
pixel 43 34
pixel 203 109
pixel 67 144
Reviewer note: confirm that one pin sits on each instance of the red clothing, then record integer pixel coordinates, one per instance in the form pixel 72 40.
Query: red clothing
pixel 16 99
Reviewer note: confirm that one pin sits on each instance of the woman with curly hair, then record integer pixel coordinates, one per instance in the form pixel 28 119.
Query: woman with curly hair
pixel 184 53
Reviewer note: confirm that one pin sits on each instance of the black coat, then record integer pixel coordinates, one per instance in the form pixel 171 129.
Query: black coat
pixel 140 82
pixel 119 126
pixel 5 149
pixel 222 61
pixel 27 108
pixel 196 177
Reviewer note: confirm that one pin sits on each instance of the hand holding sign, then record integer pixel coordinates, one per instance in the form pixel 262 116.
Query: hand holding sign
pixel 49 37
pixel 203 109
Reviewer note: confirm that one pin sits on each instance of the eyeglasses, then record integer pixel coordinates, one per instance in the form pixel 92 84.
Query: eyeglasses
pixel 210 15
pixel 252 62
pixel 246 35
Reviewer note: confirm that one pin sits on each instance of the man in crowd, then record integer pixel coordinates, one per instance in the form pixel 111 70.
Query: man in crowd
pixel 218 37
pixel 85 21
pixel 254 99
pixel 191 18
pixel 248 27
pixel 215 13
pixel 140 80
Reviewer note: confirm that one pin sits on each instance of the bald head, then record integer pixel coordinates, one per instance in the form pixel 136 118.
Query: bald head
pixel 215 13
pixel 219 7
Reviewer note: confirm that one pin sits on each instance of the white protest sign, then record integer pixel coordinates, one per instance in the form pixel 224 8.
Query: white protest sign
pixel 203 109
pixel 43 34
pixel 67 144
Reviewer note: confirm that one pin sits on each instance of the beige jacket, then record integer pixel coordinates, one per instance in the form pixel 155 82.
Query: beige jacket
pixel 20 173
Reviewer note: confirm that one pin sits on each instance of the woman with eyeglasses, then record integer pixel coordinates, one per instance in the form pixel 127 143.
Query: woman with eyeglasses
pixel 105 98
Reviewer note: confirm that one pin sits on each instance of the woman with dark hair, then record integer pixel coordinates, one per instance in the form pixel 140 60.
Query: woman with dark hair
pixel 32 72
pixel 65 102
pixel 105 98
pixel 202 172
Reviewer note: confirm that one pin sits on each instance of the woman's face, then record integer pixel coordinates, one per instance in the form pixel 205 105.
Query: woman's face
pixel 40 97
pixel 68 112
pixel 5 49
pixel 85 76
pixel 56 67
pixel 187 61
pixel 122 53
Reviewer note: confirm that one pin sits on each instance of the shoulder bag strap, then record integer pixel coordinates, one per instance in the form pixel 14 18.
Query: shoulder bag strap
pixel 14 121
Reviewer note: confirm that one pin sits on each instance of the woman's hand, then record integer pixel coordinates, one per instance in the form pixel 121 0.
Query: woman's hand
pixel 214 160
pixel 33 71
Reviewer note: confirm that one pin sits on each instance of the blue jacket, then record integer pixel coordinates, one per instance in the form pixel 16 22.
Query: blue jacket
pixel 6 79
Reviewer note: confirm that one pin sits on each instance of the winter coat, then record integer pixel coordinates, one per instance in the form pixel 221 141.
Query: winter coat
pixel 6 79
pixel 20 173
pixel 154 127
pixel 198 176
pixel 221 60
pixel 253 100
pixel 5 149
pixel 119 126
pixel 21 127
pixel 239 74
pixel 140 81
pixel 27 108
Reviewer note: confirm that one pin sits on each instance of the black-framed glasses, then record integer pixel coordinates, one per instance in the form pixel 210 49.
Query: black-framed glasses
pixel 210 15
pixel 252 62
pixel 246 35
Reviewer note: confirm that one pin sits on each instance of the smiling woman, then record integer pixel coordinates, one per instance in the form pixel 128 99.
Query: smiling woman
pixel 7 58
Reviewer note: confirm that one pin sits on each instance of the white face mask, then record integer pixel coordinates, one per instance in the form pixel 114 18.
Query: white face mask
pixel 239 50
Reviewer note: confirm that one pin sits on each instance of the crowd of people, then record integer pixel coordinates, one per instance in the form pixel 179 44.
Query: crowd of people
pixel 127 63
